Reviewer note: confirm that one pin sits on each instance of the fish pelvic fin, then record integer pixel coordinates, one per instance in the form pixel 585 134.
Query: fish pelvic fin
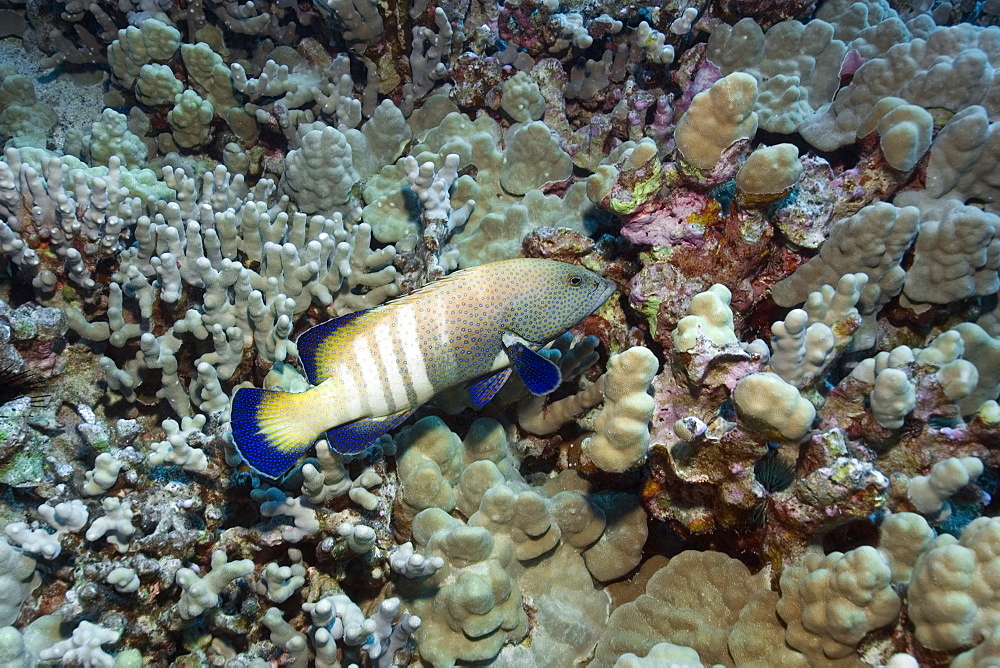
pixel 272 429
pixel 484 389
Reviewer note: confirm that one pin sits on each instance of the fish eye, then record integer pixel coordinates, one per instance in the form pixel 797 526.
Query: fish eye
pixel 575 281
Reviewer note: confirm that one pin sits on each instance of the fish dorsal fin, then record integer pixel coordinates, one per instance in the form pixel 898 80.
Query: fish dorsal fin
pixel 355 437
pixel 538 374
pixel 484 389
pixel 315 345
pixel 432 286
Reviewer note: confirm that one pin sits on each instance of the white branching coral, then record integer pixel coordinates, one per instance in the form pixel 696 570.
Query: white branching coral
pixel 202 593
pixel 275 503
pixel 83 647
pixel 360 538
pixel 17 580
pixel 115 525
pixel 279 582
pixel 201 239
pixel 103 476
pixel 37 542
pixel 325 477
pixel 176 448
pixel 408 563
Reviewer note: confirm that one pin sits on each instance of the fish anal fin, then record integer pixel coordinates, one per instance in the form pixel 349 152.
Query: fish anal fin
pixel 355 437
pixel 310 342
pixel 484 389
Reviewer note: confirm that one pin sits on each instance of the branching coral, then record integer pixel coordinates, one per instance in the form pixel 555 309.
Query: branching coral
pixel 871 241
pixel 769 404
pixel 479 603
pixel 952 68
pixel 18 581
pixel 829 603
pixel 203 593
pixel 796 66
pixel 264 166
pixel 622 428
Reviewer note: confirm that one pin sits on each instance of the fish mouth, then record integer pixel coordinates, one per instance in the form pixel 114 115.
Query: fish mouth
pixel 608 289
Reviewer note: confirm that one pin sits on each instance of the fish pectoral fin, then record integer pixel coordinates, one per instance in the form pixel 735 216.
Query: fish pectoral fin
pixel 539 375
pixel 309 343
pixel 484 389
pixel 355 437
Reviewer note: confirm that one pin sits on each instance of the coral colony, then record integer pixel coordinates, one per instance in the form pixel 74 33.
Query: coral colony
pixel 774 445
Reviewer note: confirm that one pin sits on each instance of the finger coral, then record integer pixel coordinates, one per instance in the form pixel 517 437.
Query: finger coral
pixel 774 443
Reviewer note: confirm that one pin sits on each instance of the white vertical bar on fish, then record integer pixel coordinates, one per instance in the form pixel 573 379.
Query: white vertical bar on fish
pixel 390 365
pixel 371 377
pixel 345 393
pixel 414 359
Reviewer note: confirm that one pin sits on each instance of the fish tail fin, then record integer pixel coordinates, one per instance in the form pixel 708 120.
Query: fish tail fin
pixel 272 429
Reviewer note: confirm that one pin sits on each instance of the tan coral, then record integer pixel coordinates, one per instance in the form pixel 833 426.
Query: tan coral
pixel 710 316
pixel 523 517
pixel 830 602
pixel 902 538
pixel 716 119
pixel 621 435
pixel 772 407
pixel 619 549
pixel 429 463
pixel 954 593
pixel 904 131
pixel 661 654
pixel 695 600
pixel 471 607
pixel 929 493
pixel 769 173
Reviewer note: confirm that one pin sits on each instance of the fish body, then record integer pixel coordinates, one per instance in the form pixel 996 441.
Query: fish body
pixel 371 369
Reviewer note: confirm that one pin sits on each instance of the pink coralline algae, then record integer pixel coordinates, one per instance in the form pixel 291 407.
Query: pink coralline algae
pixel 675 219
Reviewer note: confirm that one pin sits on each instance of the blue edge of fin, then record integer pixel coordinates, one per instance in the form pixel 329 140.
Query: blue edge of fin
pixel 310 340
pixel 540 376
pixel 484 389
pixel 266 459
pixel 254 446
pixel 354 437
